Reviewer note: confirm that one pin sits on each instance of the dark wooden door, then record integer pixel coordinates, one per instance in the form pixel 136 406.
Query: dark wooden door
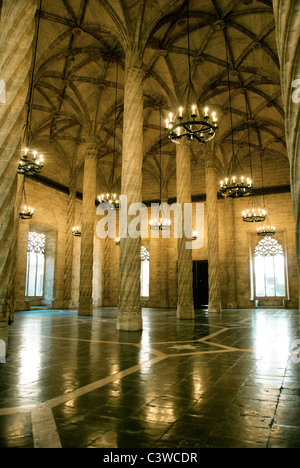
pixel 200 284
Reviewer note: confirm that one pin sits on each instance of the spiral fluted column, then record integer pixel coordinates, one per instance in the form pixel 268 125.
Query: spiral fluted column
pixel 287 14
pixel 71 222
pixel 88 229
pixel 185 300
pixel 130 310
pixel 106 272
pixel 17 30
pixel 230 255
pixel 212 238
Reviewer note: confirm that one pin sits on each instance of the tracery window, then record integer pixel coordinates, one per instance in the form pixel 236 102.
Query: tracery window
pixel 35 265
pixel 145 272
pixel 269 269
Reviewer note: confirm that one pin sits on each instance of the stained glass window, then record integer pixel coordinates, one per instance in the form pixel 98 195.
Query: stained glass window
pixel 269 268
pixel 35 265
pixel 145 272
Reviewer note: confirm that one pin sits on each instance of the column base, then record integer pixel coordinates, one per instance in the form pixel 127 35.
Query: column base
pixel 69 304
pixel 215 307
pixel 85 310
pixel 129 321
pixel 185 311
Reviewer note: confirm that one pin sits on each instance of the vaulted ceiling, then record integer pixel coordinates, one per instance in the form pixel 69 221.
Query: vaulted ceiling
pixel 79 82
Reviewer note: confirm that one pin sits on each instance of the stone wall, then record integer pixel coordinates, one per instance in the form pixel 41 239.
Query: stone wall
pixel 51 215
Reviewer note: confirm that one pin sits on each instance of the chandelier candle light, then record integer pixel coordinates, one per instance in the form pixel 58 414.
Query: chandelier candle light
pixel 160 224
pixel 266 231
pixel 191 129
pixel 109 201
pixel 27 213
pixel 31 165
pixel 253 216
pixel 76 231
pixel 236 187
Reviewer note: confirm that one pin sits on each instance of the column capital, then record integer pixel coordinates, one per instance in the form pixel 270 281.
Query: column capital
pixel 92 144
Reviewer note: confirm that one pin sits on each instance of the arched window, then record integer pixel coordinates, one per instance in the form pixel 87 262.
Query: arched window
pixel 35 265
pixel 145 272
pixel 269 269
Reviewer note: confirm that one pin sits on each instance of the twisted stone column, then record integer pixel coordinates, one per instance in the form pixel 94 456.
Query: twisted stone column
pixel 16 35
pixel 106 272
pixel 185 301
pixel 163 266
pixel 18 279
pixel 88 229
pixel 130 310
pixel 230 255
pixel 287 14
pixel 212 237
pixel 71 222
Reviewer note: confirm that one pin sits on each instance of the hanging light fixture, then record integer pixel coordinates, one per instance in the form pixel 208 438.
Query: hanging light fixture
pixel 235 185
pixel 268 230
pixel 76 231
pixel 163 223
pixel 27 212
pixel 111 200
pixel 31 163
pixel 189 126
pixel 254 214
pixel 118 241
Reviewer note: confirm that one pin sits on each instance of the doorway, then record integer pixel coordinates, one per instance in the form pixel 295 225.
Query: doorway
pixel 200 284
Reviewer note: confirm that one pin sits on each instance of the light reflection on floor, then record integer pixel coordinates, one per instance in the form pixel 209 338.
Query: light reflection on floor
pixel 221 380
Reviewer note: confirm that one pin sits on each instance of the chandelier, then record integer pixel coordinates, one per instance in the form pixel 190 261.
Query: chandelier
pixel 253 216
pixel 76 231
pixel 191 129
pixel 27 212
pixel 110 201
pixel 118 241
pixel 189 126
pixel 163 223
pixel 266 231
pixel 236 184
pixel 31 163
pixel 236 187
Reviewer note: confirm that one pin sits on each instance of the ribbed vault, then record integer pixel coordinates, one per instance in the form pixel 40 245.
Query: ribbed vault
pixel 82 41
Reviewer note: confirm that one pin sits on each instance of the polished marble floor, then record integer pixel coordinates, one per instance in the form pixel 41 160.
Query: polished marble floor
pixel 221 380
